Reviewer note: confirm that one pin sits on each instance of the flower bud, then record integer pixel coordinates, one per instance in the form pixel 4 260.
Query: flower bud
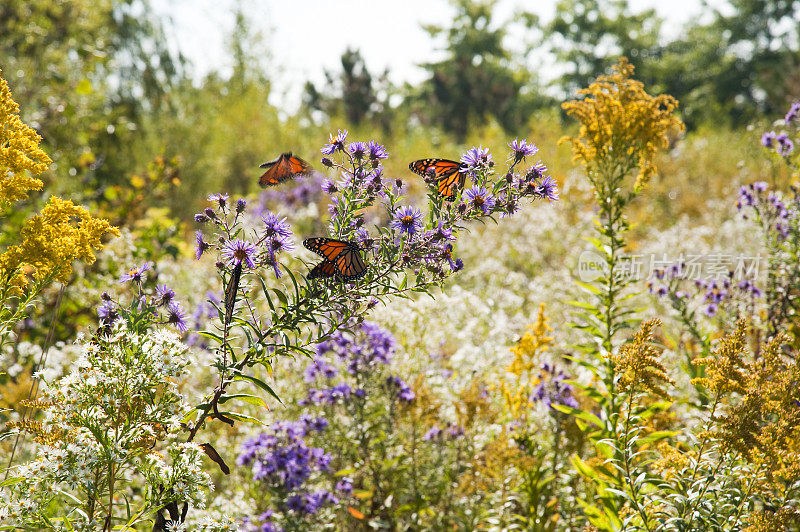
pixel 326 162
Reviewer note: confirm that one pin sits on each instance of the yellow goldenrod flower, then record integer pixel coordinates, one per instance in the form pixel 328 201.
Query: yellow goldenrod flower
pixel 622 125
pixel 637 363
pixel 20 155
pixel 531 345
pixel 726 369
pixel 50 241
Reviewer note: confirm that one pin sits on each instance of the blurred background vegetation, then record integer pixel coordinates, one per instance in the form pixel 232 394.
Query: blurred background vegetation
pixel 131 127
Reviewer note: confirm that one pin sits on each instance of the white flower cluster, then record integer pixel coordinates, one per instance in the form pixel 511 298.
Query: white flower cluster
pixel 109 424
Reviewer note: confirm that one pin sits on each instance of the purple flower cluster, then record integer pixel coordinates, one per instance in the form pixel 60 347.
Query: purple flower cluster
pixel 160 304
pixel 271 238
pixel 477 161
pixel 770 208
pixel 793 114
pixel 452 432
pixel 780 142
pixel 300 194
pixel 401 390
pixel 361 354
pixel 714 292
pixel 552 389
pixel 337 394
pixel 370 347
pixel 284 462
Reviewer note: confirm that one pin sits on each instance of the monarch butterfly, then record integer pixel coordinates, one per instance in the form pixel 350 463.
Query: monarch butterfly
pixel 341 259
pixel 284 167
pixel 447 173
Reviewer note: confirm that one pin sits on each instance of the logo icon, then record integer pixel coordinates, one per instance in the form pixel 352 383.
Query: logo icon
pixel 591 266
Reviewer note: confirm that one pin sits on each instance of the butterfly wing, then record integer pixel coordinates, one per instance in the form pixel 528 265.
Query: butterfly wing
pixel 323 270
pixel 327 248
pixel 350 265
pixel 446 172
pixel 342 259
pixel 284 167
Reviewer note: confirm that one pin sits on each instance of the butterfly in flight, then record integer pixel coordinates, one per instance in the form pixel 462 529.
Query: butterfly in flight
pixel 284 167
pixel 340 259
pixel 447 173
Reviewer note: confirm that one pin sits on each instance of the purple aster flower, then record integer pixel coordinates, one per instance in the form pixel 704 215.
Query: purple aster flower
pixel 403 390
pixel 785 145
pixel 432 433
pixel 275 225
pixel 376 151
pixel 336 143
pixel 479 199
pixel 164 295
pixel 136 274
pixel 202 246
pixel 768 139
pixel 345 485
pixel 536 172
pixel 522 149
pixel 365 240
pixel 241 203
pixel 710 310
pixel 407 220
pixel 329 186
pixel 221 199
pixel 107 312
pixel 200 218
pixel 295 503
pixel 455 432
pixel 760 186
pixel 794 112
pixel 476 160
pixel 318 424
pixel 357 149
pixel 177 316
pixel 237 252
pixel 548 189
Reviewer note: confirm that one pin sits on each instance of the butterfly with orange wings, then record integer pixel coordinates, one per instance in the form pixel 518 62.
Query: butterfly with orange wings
pixel 284 167
pixel 448 175
pixel 340 259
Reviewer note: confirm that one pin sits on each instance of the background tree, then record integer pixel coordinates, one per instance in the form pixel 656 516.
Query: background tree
pixel 86 73
pixel 351 93
pixel 478 78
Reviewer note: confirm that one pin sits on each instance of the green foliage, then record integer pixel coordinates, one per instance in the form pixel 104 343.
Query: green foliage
pixel 352 94
pixel 478 78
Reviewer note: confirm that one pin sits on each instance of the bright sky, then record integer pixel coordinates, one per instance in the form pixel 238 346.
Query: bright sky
pixel 306 36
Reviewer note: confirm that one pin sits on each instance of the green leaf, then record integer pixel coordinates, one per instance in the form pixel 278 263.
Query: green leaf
pixel 241 417
pixel 657 436
pixel 258 382
pixel 247 398
pixel 11 481
pixel 581 414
